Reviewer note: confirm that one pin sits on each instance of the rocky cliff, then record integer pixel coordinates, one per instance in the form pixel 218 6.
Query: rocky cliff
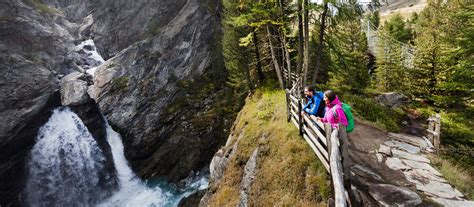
pixel 162 87
pixel 165 94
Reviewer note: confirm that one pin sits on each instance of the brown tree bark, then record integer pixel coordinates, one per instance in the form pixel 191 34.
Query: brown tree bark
pixel 306 42
pixel 274 59
pixel 299 63
pixel 320 42
pixel 260 74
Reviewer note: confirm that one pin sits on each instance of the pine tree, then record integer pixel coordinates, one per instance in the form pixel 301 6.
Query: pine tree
pixel 348 46
pixel 236 58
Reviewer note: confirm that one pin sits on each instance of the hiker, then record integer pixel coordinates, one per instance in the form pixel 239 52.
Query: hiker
pixel 334 112
pixel 315 105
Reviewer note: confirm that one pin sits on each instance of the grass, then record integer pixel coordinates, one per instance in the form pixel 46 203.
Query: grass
pixel 457 133
pixel 456 175
pixel 289 173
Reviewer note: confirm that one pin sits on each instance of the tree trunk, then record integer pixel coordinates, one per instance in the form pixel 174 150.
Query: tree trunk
pixel 300 39
pixel 260 74
pixel 321 42
pixel 285 48
pixel 274 59
pixel 306 42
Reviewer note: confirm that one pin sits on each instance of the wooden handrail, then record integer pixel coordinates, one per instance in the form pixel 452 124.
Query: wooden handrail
pixel 329 145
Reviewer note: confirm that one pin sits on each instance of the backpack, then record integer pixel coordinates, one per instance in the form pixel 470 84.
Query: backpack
pixel 350 118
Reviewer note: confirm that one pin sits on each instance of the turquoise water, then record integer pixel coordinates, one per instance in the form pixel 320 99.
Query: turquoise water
pixel 175 193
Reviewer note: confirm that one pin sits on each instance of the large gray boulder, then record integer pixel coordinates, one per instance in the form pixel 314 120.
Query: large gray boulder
pixel 392 99
pixel 74 89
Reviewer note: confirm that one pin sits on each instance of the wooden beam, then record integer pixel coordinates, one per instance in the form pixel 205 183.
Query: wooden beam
pixel 314 139
pixel 295 122
pixel 294 100
pixel 318 154
pixel 320 124
pixel 316 130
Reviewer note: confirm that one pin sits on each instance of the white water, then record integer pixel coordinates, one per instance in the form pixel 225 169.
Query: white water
pixel 92 57
pixel 65 164
pixel 134 192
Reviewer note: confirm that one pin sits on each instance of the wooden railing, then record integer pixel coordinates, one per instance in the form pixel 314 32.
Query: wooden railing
pixel 329 144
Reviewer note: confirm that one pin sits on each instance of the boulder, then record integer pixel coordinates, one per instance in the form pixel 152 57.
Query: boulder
pixel 74 90
pixel 392 99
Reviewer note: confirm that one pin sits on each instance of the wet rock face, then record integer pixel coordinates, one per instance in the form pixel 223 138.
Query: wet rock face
pixel 161 95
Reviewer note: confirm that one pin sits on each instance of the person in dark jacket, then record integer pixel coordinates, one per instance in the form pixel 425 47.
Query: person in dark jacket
pixel 315 105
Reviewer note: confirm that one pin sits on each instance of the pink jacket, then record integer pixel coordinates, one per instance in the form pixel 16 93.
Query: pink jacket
pixel 329 117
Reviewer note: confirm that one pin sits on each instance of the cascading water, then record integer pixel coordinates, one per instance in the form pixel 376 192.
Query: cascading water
pixel 91 58
pixel 64 164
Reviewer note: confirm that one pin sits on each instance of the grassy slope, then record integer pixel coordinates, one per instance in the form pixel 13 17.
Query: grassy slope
pixel 289 173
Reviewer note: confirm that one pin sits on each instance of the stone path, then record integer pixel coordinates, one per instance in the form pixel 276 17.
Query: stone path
pixel 405 153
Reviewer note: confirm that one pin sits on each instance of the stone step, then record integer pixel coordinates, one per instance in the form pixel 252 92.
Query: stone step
pixel 403 146
pixel 410 139
pixel 409 156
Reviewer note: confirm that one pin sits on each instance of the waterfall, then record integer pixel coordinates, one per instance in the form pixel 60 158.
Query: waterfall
pixel 133 192
pixel 64 164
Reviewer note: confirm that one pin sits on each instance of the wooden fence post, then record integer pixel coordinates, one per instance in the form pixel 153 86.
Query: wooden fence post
pixel 437 130
pixel 300 117
pixel 346 160
pixel 434 131
pixel 288 105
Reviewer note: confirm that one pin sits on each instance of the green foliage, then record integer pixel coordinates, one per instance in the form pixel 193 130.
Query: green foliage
pixel 120 83
pixel 396 28
pixel 444 65
pixel 374 19
pixel 236 58
pixel 43 8
pixel 347 48
pixel 370 110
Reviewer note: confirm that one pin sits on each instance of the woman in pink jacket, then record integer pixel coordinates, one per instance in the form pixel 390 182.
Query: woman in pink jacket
pixel 334 112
